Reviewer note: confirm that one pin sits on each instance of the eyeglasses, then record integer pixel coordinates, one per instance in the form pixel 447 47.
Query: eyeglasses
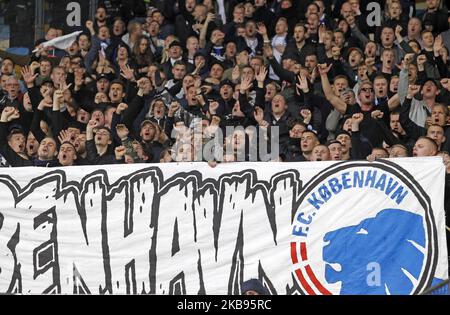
pixel 367 90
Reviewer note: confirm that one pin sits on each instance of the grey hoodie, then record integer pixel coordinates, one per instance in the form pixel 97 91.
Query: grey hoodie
pixel 419 110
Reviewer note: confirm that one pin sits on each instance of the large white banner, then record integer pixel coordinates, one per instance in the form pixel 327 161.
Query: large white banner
pixel 301 228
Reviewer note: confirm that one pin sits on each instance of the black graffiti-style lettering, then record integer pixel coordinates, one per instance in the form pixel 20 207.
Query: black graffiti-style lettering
pixel 145 196
pixel 45 256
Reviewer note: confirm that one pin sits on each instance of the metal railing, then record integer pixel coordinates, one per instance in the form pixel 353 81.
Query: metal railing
pixel 442 288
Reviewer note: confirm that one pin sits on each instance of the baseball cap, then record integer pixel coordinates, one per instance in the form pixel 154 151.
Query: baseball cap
pixel 354 48
pixel 227 82
pixel 436 83
pixel 200 52
pixel 254 285
pixel 146 122
pixel 106 76
pixel 15 129
pixel 47 80
pixel 242 48
pixel 175 43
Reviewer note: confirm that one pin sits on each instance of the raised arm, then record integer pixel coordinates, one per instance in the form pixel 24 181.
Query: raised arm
pixel 246 85
pixel 9 114
pixel 56 116
pixel 204 30
pixel 393 102
pixel 401 43
pixel 337 102
pixel 403 81
pixel 411 128
pixel 38 115
pixel 136 104
pixel 277 68
pixel 357 148
pixel 260 88
pixel 356 32
pixel 95 48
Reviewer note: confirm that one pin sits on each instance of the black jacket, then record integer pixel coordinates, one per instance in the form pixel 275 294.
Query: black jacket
pixel 438 19
pixel 95 159
pixel 7 152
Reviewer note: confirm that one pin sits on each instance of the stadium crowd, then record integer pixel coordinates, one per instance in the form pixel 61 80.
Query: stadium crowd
pixel 315 80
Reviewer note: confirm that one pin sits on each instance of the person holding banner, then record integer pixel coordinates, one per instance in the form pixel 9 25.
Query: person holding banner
pixel 253 287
